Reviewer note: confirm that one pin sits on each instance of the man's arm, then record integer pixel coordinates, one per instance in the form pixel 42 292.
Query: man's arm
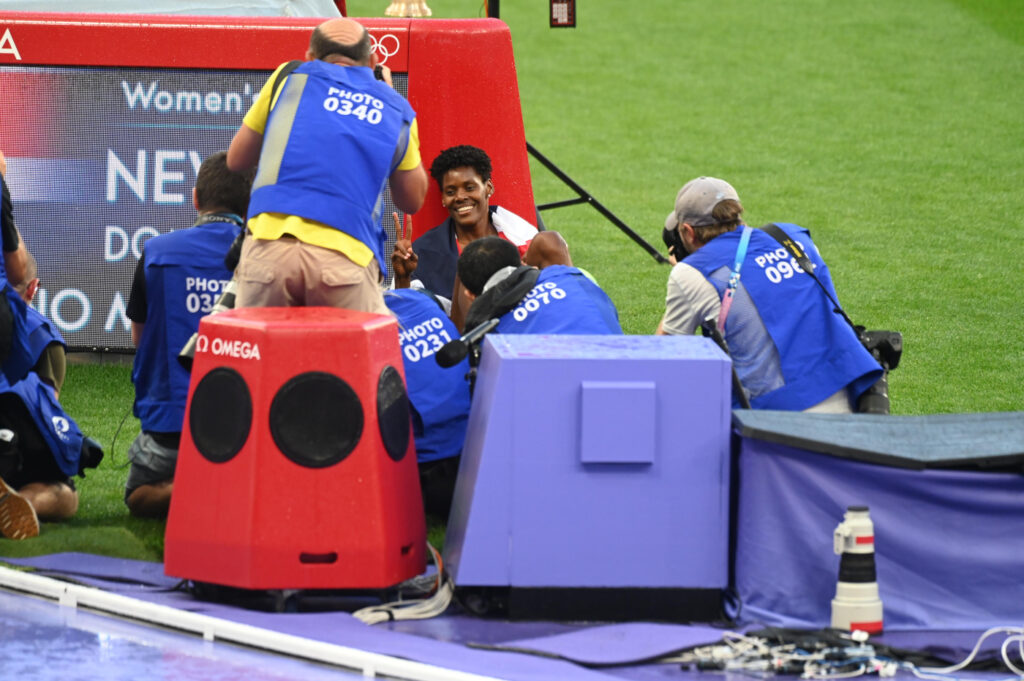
pixel 690 299
pixel 137 329
pixel 136 310
pixel 16 263
pixel 409 188
pixel 244 152
pixel 409 180
pixel 461 300
pixel 15 254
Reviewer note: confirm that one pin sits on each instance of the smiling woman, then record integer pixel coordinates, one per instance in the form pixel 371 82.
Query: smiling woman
pixel 463 174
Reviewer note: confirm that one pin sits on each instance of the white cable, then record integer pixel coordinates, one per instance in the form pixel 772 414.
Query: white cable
pixel 812 673
pixel 416 609
pixel 943 677
pixel 977 646
pixel 739 652
pixel 1006 655
pixel 409 610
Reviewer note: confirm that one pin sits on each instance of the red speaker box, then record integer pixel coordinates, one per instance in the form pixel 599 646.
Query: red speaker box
pixel 297 468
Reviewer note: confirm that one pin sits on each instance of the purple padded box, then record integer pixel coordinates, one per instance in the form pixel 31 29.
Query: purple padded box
pixel 594 481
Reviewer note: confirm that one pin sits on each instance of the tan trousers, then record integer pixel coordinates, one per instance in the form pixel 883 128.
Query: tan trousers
pixel 287 272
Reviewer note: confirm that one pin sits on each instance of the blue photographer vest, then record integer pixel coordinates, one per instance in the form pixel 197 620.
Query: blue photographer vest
pixel 185 275
pixel 564 300
pixel 41 332
pixel 790 349
pixel 333 138
pixel 20 359
pixel 438 397
pixel 61 433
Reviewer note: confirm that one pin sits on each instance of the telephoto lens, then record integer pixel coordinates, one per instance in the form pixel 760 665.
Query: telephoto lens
pixel 856 605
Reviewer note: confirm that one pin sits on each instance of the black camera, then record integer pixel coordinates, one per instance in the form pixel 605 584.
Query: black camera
pixel 887 348
pixel 884 346
pixel 674 242
pixel 91 455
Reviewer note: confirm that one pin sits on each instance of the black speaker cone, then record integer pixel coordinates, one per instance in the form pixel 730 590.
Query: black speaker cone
pixel 316 419
pixel 393 413
pixel 220 414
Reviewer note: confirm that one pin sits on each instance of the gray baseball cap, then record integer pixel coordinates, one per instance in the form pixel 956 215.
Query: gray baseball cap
pixel 697 199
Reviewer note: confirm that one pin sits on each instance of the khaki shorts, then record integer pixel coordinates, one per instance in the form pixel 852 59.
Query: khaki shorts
pixel 151 463
pixel 287 272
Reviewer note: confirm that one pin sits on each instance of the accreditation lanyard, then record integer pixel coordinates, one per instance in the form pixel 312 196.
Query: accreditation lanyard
pixel 219 217
pixel 734 278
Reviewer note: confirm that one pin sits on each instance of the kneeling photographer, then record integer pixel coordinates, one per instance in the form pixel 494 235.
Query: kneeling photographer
pixel 793 348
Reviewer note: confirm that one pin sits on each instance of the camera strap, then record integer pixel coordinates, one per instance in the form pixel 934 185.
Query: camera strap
pixel 800 255
pixel 877 401
pixel 734 278
pixel 279 80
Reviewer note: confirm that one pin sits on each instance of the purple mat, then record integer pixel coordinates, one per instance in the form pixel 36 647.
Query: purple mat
pixel 146 582
pixel 600 646
pixel 526 651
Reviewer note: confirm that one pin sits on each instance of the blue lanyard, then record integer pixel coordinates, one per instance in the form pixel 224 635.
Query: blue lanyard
pixel 734 278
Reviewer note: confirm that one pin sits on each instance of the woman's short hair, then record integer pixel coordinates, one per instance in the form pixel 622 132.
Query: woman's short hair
pixel 461 156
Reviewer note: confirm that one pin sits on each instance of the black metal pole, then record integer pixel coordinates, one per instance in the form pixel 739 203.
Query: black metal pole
pixel 494 9
pixel 585 197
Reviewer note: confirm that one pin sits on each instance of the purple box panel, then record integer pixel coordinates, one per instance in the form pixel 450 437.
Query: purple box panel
pixel 529 511
pixel 487 560
pixel 617 423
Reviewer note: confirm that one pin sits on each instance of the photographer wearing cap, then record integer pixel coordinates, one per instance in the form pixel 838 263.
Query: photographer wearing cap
pixel 791 346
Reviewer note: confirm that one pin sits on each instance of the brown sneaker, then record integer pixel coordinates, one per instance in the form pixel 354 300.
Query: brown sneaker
pixel 17 517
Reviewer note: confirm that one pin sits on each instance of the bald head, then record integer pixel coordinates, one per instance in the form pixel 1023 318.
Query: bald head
pixel 343 41
pixel 547 248
pixel 30 283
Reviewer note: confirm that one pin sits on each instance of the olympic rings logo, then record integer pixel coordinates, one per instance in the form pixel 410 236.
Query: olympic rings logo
pixel 385 46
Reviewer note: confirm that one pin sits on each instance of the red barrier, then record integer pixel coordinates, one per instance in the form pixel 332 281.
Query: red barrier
pixel 462 75
pixel 106 118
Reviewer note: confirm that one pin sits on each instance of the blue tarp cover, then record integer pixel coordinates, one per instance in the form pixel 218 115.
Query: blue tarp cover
pixel 949 544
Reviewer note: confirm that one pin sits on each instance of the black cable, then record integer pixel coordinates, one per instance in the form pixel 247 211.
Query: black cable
pixel 114 442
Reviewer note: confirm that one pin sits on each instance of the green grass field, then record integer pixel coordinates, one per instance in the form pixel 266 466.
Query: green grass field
pixel 894 131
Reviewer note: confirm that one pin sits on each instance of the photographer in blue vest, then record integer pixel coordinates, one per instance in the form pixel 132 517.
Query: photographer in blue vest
pixel 557 299
pixel 15 359
pixel 46 347
pixel 41 447
pixel 178 280
pixel 438 396
pixel 327 139
pixel 790 347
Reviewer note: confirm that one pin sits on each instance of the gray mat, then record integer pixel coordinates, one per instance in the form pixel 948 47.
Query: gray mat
pixel 988 440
